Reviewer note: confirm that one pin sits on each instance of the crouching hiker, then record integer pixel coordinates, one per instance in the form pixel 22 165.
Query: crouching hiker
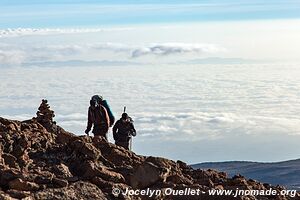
pixel 123 130
pixel 97 116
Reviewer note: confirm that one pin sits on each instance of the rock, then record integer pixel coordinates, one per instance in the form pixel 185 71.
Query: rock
pixel 79 190
pixel 43 177
pixel 64 137
pixel 9 174
pixel 13 126
pixel 18 194
pixel 102 183
pixel 43 180
pixel 90 170
pixel 58 182
pixel 111 175
pixel 179 179
pixel 20 145
pixel 86 149
pixel 117 155
pixel 5 196
pixel 148 174
pixel 237 180
pixel 72 179
pixel 62 171
pixel 219 187
pixel 19 184
pixel 45 116
pixel 162 162
pixel 9 125
pixel 10 160
pixel 183 166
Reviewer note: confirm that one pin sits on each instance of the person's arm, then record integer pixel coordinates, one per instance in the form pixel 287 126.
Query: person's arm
pixel 115 129
pixel 89 123
pixel 133 131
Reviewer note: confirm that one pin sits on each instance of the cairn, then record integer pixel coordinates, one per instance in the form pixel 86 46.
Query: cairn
pixel 45 116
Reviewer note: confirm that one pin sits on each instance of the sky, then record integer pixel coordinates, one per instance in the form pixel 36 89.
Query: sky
pixel 45 14
pixel 203 80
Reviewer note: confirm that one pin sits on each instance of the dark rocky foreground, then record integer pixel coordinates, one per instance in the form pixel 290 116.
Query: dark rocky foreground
pixel 40 160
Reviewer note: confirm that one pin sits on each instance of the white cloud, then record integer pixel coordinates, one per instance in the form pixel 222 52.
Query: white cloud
pixel 54 31
pixel 196 126
pixel 175 48
pixel 20 117
pixel 72 117
pixel 16 54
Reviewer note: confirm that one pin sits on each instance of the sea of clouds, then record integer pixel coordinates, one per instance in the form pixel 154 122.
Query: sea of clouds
pixel 189 112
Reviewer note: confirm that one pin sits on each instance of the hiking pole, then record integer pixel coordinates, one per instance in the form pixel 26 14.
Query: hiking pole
pixel 124 109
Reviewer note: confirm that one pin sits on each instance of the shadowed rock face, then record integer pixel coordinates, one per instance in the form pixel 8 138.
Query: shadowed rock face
pixel 40 160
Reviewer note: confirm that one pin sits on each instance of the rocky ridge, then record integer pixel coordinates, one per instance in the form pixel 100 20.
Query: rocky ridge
pixel 40 160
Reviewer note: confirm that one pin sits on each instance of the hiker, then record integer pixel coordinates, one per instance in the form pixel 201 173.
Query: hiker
pixel 123 130
pixel 98 116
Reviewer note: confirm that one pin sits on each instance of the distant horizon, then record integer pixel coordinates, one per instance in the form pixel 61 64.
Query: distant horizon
pixel 246 161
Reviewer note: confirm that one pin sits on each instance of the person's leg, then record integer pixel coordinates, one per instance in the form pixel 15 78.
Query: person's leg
pixel 126 145
pixel 123 144
pixel 100 131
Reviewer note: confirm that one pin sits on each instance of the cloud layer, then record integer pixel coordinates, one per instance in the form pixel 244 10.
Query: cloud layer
pixel 32 53
pixel 12 57
pixel 208 112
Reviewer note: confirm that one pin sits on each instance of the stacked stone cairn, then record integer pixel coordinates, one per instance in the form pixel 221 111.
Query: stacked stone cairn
pixel 45 116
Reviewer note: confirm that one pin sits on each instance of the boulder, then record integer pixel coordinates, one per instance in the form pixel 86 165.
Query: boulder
pixel 59 182
pixel 64 137
pixel 102 183
pixel 148 174
pixel 9 174
pixel 19 184
pixel 87 150
pixel 90 170
pixel 10 160
pixel 179 179
pixel 5 196
pixel 18 194
pixel 43 179
pixel 80 190
pixel 62 171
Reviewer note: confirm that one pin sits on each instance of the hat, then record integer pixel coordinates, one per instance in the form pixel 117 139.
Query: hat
pixel 96 99
pixel 124 116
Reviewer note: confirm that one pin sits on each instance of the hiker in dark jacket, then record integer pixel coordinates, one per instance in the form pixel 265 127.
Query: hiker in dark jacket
pixel 97 116
pixel 123 130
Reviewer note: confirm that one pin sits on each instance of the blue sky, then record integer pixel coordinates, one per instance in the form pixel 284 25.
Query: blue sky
pixel 92 13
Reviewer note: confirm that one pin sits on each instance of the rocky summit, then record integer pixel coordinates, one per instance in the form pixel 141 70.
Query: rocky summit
pixel 40 160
